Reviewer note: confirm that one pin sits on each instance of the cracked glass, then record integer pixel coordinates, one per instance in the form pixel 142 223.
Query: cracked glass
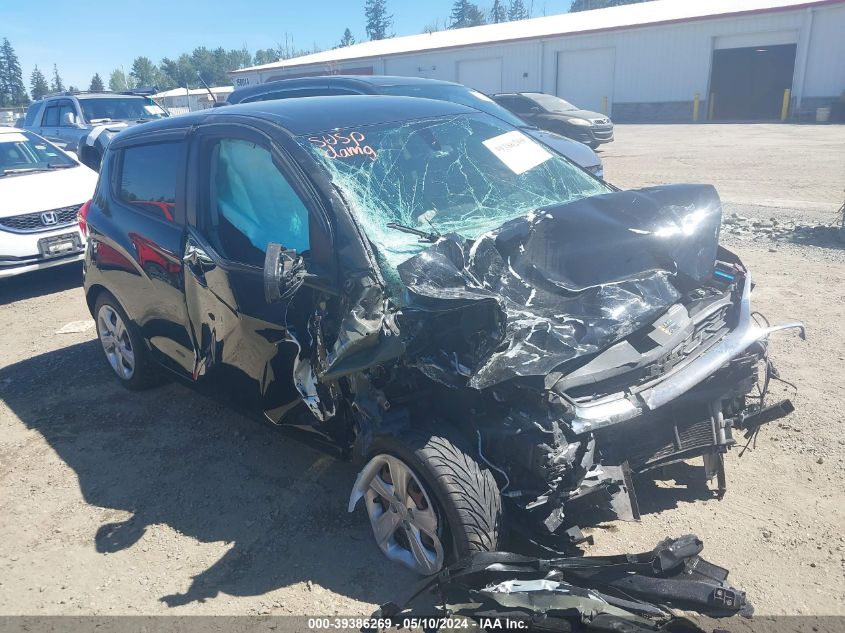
pixel 464 175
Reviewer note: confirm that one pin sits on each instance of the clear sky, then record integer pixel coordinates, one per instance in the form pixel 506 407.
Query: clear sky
pixel 88 36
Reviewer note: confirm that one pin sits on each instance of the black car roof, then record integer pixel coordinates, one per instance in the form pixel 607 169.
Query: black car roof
pixel 355 82
pixel 308 115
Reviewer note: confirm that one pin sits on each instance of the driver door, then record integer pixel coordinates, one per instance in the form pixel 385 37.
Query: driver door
pixel 244 197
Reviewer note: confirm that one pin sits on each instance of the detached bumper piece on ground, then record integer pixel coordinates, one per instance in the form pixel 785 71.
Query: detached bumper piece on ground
pixel 626 592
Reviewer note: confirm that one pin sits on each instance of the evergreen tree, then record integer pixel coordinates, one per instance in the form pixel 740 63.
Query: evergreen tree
pixel 12 90
pixel 181 72
pixel 588 5
pixel 96 83
pixel 56 83
pixel 144 72
pixel 378 20
pixel 347 40
pixel 498 13
pixel 38 84
pixel 119 81
pixel 517 10
pixel 466 13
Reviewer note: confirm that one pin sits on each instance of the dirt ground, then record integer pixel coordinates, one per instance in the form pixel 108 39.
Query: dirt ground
pixel 165 503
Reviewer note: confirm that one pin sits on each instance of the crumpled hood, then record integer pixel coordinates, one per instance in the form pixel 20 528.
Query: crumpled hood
pixel 564 282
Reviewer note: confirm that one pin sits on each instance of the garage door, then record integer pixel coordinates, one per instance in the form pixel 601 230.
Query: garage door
pixel 485 75
pixel 748 83
pixel 586 77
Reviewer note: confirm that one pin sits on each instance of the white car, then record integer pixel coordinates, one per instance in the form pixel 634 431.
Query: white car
pixel 42 189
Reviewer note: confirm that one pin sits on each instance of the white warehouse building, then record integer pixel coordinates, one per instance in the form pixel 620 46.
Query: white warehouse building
pixel 642 62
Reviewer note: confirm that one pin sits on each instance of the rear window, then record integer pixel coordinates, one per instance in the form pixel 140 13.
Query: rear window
pixel 148 178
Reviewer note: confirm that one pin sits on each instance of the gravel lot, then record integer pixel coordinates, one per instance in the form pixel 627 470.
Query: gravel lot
pixel 120 503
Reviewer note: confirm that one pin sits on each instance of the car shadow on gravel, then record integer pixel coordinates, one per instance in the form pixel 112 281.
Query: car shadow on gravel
pixel 41 283
pixel 173 458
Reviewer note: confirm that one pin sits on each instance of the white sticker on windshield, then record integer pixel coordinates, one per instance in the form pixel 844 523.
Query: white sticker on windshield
pixel 518 152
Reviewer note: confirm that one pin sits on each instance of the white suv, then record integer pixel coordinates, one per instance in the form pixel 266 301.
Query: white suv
pixel 42 189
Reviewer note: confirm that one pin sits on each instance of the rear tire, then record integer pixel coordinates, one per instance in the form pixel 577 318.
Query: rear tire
pixel 465 495
pixel 123 346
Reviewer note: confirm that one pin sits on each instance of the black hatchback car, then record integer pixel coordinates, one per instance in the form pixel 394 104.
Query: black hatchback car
pixel 416 284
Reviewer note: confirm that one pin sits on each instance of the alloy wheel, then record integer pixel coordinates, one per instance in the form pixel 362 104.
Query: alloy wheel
pixel 405 522
pixel 114 337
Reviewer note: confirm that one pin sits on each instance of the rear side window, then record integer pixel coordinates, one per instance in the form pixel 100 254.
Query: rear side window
pixel 51 116
pixel 31 111
pixel 148 178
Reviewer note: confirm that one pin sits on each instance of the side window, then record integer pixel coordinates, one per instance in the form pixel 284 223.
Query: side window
pixel 51 117
pixel 65 107
pixel 251 203
pixel 148 178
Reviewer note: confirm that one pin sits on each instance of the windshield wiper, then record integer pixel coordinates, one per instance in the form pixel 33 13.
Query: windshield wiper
pixel 28 170
pixel 426 236
pixel 60 165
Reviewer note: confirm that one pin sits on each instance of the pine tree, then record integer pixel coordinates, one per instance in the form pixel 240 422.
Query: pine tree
pixel 347 40
pixel 143 71
pixel 378 20
pixel 56 83
pixel 498 13
pixel 38 84
pixel 96 83
pixel 517 10
pixel 466 13
pixel 12 90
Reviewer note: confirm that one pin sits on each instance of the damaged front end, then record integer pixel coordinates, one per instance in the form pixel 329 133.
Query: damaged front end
pixel 584 344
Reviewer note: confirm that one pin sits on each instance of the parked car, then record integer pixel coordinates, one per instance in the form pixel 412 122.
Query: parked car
pixel 87 121
pixel 423 287
pixel 41 190
pixel 415 87
pixel 554 114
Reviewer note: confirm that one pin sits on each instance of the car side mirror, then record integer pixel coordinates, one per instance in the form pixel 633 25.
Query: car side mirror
pixel 284 272
pixel 69 119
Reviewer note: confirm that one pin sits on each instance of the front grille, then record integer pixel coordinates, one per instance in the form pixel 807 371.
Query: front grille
pixel 40 220
pixel 707 332
pixel 603 134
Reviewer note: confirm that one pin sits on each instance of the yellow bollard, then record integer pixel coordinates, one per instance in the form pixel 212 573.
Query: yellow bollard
pixel 696 104
pixel 784 108
pixel 710 105
pixel 604 106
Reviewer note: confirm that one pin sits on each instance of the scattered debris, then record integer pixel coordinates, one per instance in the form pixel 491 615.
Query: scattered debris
pixel 780 229
pixel 75 327
pixel 625 592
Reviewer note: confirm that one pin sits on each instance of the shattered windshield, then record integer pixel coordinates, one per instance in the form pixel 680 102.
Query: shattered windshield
pixel 465 174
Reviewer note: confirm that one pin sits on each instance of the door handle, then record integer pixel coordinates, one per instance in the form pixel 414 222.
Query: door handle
pixel 194 256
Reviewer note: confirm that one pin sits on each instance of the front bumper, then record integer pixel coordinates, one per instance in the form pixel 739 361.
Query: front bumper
pixel 26 252
pixel 590 135
pixel 622 407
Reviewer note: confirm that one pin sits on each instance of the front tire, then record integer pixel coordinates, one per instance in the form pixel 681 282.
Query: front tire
pixel 444 507
pixel 122 345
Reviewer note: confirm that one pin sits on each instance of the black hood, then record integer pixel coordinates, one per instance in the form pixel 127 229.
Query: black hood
pixel 564 282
